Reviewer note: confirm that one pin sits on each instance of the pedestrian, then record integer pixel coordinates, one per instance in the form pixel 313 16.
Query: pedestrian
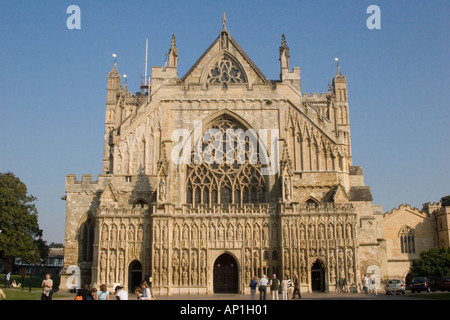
pixel 94 294
pixel 47 288
pixel 365 284
pixel 7 279
pixel 146 293
pixel 103 293
pixel 2 295
pixel 120 293
pixel 284 288
pixel 253 286
pixel 263 287
pixel 289 288
pixel 372 286
pixel 274 287
pixel 85 293
pixel 296 288
pixel 138 292
pixel 338 286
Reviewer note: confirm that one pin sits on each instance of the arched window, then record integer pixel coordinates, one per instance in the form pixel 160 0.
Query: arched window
pixel 87 240
pixel 274 255
pixel 228 169
pixel 312 202
pixel 139 204
pixel 407 244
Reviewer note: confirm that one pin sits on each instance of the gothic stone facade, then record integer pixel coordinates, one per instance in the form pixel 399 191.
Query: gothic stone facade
pixel 409 231
pixel 194 227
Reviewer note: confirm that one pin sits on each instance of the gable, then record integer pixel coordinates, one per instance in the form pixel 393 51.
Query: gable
pixel 337 194
pixel 227 57
pixel 109 195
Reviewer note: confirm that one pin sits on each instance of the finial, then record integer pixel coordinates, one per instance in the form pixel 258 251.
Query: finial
pixel 224 22
pixel 114 71
pixel 339 75
pixel 173 53
pixel 338 67
pixel 173 43
pixel 284 46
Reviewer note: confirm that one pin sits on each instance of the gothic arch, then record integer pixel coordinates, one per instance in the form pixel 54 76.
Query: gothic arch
pixel 217 254
pixel 318 273
pixel 134 274
pixel 312 201
pixel 86 235
pixel 226 273
pixel 223 181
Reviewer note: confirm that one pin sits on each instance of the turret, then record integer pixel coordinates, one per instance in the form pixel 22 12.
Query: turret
pixel 286 75
pixel 113 85
pixel 112 92
pixel 340 86
pixel 167 74
pixel 341 109
pixel 340 93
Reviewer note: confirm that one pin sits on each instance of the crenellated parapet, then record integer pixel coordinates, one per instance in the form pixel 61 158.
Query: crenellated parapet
pixel 404 206
pixel 86 183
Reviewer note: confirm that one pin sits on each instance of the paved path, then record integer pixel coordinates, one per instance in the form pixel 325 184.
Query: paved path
pixel 305 296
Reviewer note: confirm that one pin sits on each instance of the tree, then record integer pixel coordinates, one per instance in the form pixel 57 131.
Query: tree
pixel 445 201
pixel 56 245
pixel 434 263
pixel 18 221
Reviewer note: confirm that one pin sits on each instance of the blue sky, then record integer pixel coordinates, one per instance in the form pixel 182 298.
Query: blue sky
pixel 53 83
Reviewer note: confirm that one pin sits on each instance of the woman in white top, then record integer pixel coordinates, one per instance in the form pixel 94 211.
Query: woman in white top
pixel 146 294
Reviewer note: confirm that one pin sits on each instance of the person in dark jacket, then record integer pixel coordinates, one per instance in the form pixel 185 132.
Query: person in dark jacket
pixel 274 287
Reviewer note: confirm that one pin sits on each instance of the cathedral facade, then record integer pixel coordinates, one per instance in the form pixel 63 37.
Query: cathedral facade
pixel 220 176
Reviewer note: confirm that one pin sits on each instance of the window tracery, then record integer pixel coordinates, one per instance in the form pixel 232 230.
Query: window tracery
pixel 234 175
pixel 407 240
pixel 226 71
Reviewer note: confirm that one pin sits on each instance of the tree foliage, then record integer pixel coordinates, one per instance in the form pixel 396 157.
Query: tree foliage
pixel 56 245
pixel 445 201
pixel 434 262
pixel 18 220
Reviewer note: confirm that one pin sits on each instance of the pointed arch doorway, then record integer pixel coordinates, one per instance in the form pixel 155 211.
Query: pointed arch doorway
pixel 226 274
pixel 318 277
pixel 134 275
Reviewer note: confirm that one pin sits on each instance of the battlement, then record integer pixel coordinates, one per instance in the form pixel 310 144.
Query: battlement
pixel 314 95
pixel 86 183
pixel 404 206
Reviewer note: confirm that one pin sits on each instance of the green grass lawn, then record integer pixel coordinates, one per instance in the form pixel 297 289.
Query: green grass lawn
pixel 25 293
pixel 433 296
